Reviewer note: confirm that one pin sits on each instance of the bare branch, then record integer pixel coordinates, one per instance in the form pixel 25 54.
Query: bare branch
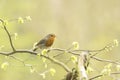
pixel 81 67
pixel 82 56
pixel 90 50
pixel 113 73
pixel 9 36
pixel 104 60
pixel 18 59
pixel 35 53
pixel 64 50
pixel 58 63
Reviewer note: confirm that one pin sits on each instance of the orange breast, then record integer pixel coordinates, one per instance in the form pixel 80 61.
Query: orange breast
pixel 49 42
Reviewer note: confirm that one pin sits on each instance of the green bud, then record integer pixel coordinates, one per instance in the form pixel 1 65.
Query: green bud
pixel 118 67
pixel 16 35
pixel 5 22
pixel 89 70
pixel 52 71
pixel 4 65
pixel 106 72
pixel 44 51
pixel 43 59
pixel 32 70
pixel 73 59
pixel 108 66
pixel 116 42
pixel 20 20
pixel 43 75
pixel 75 45
pixel 28 18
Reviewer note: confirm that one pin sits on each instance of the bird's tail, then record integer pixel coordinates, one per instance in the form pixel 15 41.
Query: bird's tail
pixel 35 49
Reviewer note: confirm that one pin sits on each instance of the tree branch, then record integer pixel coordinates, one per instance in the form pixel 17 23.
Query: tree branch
pixel 104 60
pixel 81 65
pixel 35 53
pixel 113 73
pixel 10 40
pixel 58 63
pixel 80 53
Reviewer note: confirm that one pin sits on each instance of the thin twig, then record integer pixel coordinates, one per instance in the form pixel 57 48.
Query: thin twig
pixel 99 50
pixel 9 36
pixel 104 60
pixel 113 73
pixel 35 53
pixel 61 64
pixel 18 59
pixel 64 50
pixel 58 63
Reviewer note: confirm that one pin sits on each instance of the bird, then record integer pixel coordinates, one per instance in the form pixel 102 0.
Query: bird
pixel 46 42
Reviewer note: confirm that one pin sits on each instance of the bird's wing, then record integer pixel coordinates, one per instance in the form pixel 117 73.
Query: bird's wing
pixel 41 42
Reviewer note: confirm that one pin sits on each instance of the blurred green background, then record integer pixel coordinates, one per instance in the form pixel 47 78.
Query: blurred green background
pixel 92 23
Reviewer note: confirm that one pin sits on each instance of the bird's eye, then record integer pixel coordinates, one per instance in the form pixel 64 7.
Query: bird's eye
pixel 52 35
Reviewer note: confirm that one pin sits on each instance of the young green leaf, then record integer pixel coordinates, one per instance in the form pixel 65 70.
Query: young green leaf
pixel 5 22
pixel 43 75
pixel 28 18
pixel 43 59
pixel 20 20
pixel 118 67
pixel 39 54
pixel 44 51
pixel 4 65
pixel 108 66
pixel 32 70
pixel 73 59
pixel 45 65
pixel 89 70
pixel 16 35
pixel 75 45
pixel 106 72
pixel 52 71
pixel 116 42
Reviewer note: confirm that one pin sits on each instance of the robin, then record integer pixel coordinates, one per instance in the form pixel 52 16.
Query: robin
pixel 46 42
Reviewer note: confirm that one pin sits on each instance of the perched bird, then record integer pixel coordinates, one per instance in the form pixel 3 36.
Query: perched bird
pixel 46 42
